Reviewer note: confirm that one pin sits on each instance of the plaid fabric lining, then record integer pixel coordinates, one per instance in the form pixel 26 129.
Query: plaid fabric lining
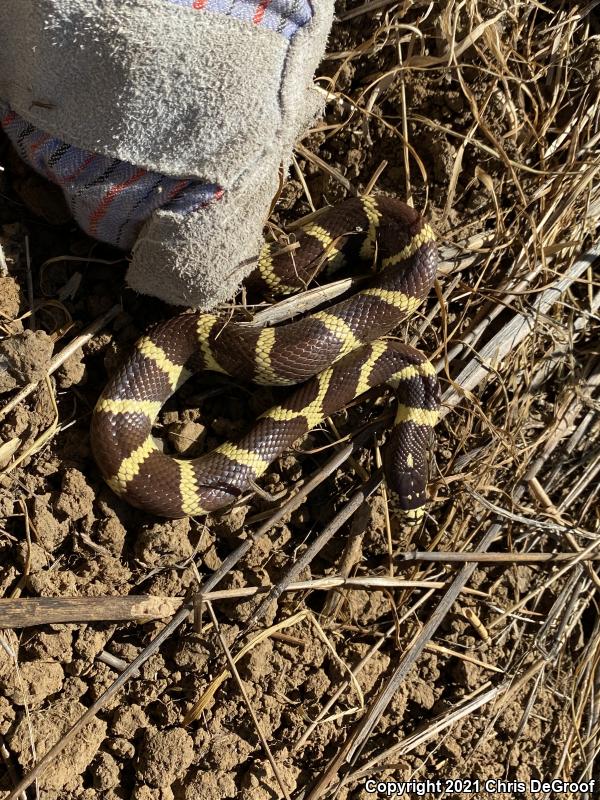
pixel 111 199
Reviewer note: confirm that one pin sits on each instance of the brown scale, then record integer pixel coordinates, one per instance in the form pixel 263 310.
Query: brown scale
pixel 347 226
pixel 222 480
pixel 305 347
pixel 302 349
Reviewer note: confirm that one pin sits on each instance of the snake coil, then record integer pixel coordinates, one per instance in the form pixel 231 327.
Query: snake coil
pixel 336 354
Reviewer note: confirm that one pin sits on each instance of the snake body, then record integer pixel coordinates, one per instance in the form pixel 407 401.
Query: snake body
pixel 336 354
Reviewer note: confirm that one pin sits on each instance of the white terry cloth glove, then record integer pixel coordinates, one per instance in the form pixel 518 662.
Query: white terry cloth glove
pixel 165 122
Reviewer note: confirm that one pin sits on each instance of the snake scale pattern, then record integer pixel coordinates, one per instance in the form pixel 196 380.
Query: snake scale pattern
pixel 336 355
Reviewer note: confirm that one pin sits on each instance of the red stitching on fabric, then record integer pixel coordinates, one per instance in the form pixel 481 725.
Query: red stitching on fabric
pixel 109 197
pixel 10 117
pixel 177 188
pixel 38 144
pixel 214 199
pixel 79 169
pixel 260 11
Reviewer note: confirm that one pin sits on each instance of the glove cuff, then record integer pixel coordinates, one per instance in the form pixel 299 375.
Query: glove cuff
pixel 158 88
pixel 200 259
pixel 176 91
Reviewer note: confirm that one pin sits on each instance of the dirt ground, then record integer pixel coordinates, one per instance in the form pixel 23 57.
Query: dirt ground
pixel 485 116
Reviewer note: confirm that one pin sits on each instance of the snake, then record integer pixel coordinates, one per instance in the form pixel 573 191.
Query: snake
pixel 331 356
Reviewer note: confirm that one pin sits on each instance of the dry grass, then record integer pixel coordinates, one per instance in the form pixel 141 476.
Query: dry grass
pixel 518 345
pixel 488 114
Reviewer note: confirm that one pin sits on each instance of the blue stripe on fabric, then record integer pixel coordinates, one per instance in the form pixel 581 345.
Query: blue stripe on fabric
pixel 87 180
pixel 284 16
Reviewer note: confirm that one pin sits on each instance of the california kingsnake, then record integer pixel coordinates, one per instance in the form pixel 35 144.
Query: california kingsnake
pixel 337 354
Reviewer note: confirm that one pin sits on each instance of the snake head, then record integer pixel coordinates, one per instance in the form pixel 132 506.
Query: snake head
pixel 407 498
